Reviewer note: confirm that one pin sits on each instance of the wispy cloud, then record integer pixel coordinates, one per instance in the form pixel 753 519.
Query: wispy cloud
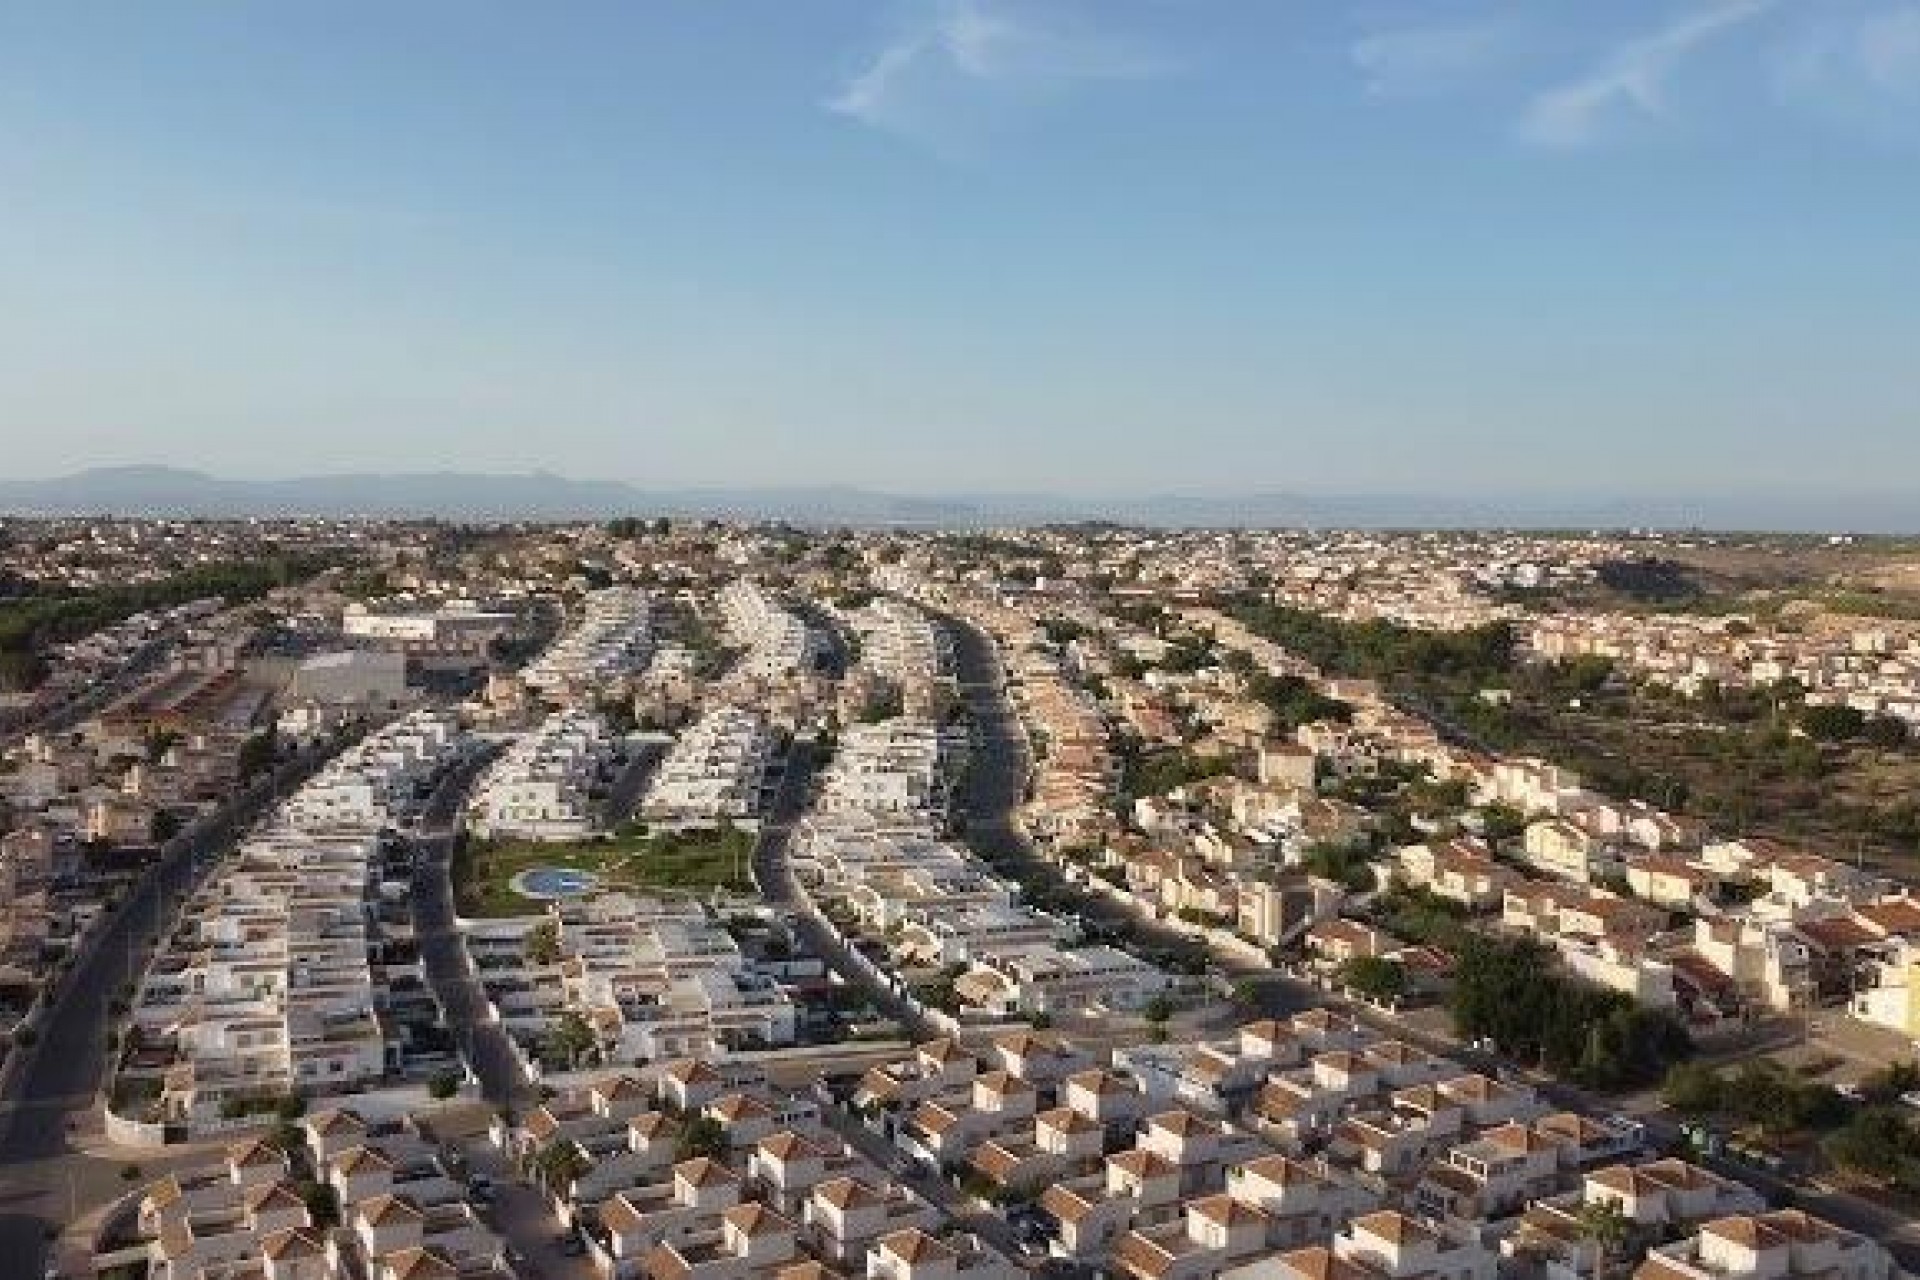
pixel 1889 48
pixel 1417 61
pixel 963 56
pixel 1633 78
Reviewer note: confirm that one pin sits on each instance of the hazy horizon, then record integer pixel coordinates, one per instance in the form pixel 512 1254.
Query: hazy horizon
pixel 166 490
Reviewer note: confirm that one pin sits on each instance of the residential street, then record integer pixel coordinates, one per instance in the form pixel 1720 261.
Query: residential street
pixel 443 953
pixel 775 879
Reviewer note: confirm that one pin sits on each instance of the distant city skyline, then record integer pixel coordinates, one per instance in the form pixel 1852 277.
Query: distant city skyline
pixel 1465 247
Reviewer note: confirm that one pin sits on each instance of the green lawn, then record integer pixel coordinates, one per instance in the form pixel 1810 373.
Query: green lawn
pixel 667 863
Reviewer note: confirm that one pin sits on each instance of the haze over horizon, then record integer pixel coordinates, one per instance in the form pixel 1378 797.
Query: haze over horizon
pixel 1467 247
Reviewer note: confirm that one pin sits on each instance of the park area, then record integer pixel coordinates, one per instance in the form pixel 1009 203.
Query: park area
pixel 665 863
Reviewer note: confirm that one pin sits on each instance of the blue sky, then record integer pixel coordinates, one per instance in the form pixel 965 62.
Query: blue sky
pixel 935 245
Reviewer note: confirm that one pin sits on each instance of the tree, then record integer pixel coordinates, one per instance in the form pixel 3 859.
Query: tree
pixel 702 1136
pixel 444 1085
pixel 560 1164
pixel 1158 1011
pixel 1344 864
pixel 1889 733
pixel 1603 1224
pixel 1693 1088
pixel 322 1203
pixel 1832 723
pixel 256 754
pixel 570 1039
pixel 1375 978
pixel 163 826
pixel 21 671
pixel 1887 1084
pixel 542 945
pixel 1511 991
pixel 1877 1143
pixel 1500 822
pixel 1585 674
pixel 619 715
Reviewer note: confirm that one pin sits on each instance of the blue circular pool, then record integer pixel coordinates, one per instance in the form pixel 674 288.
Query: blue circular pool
pixel 555 882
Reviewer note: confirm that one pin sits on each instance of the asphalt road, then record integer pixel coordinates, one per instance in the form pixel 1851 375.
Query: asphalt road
pixel 623 797
pixel 443 953
pixel 995 787
pixel 943 1195
pixel 773 875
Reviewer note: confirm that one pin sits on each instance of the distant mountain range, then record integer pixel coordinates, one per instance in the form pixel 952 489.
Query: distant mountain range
pixel 172 491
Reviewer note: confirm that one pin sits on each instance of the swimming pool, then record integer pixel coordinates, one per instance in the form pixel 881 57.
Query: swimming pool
pixel 555 882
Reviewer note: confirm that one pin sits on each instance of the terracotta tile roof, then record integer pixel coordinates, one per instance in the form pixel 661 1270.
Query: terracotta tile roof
pixel 292 1244
pixel 846 1193
pixel 1746 1231
pixel 379 1209
pixel 1394 1227
pixel 1066 1204
pixel 419 1264
pixel 618 1215
pixel 1066 1120
pixel 788 1145
pixel 914 1246
pixel 1225 1211
pixel 701 1171
pixel 1183 1124
pixel 1281 1170
pixel 754 1219
pixel 1137 1255
pixel 1143 1164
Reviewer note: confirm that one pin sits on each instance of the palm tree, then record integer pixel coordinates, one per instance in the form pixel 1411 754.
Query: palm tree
pixel 1603 1224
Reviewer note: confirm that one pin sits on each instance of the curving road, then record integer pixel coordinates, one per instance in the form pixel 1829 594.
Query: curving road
pixel 773 876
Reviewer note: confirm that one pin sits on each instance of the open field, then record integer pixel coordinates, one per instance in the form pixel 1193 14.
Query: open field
pixel 667 863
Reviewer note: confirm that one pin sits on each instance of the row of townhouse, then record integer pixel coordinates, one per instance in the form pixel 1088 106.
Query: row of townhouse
pixel 933 907
pixel 906 659
pixel 1075 772
pixel 777 642
pixel 541 787
pixel 1543 790
pixel 1809 929
pixel 1399 1145
pixel 401 1216
pixel 455 633
pixel 1168 1167
pixel 717 771
pixel 653 979
pixel 903 768
pixel 277 980
pixel 381 781
pixel 611 640
pixel 783 1197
